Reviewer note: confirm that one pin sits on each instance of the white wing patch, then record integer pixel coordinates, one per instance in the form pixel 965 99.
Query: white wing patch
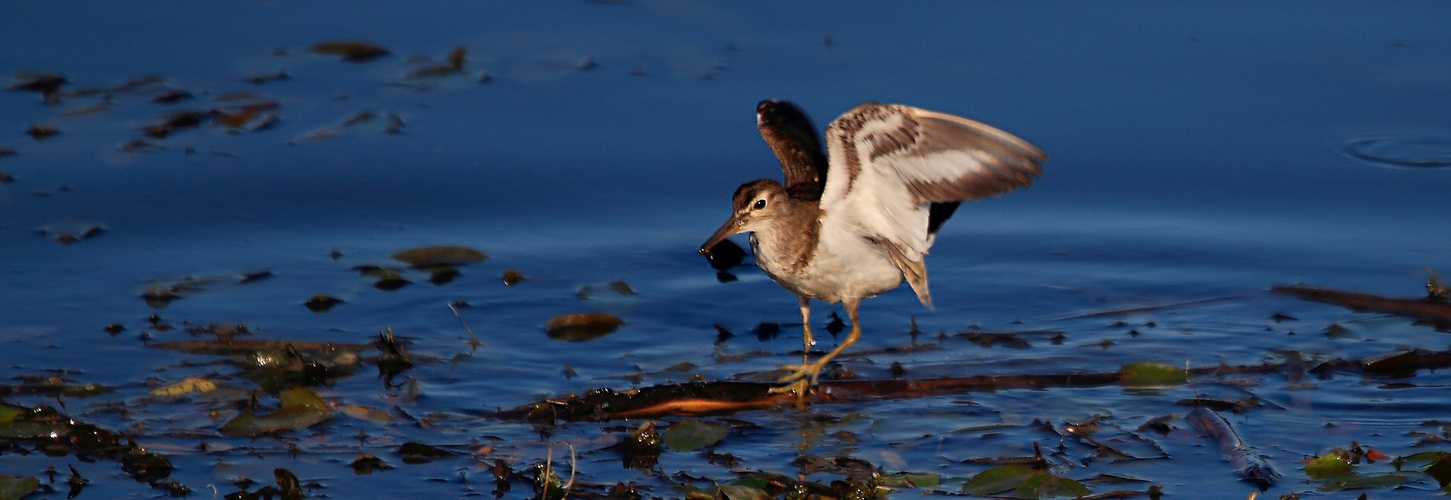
pixel 889 163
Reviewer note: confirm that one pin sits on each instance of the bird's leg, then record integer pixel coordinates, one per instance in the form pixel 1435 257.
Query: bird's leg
pixel 804 376
pixel 806 340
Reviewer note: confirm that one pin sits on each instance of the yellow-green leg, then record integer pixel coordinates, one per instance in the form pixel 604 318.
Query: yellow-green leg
pixel 806 340
pixel 804 376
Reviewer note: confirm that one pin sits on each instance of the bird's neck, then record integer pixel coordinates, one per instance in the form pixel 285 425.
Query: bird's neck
pixel 790 241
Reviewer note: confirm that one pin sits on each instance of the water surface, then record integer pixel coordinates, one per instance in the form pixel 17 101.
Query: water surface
pixel 1195 152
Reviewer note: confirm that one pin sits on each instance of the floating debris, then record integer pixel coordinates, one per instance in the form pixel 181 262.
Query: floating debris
pixel 442 255
pixel 580 327
pixel 692 434
pixel 351 51
pixel 414 453
pixel 320 303
pixel 192 386
pixel 1251 465
pixel 616 288
pixel 172 96
pixel 254 276
pixel 45 84
pixel 393 124
pixel 261 78
pixel 442 275
pixel 512 277
pixel 299 409
pixel 1145 374
pixel 66 233
pixel 176 121
pixel 251 117
pixel 42 132
pixel 366 463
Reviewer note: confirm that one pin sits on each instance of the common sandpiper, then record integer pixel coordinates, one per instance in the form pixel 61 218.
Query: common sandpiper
pixel 858 220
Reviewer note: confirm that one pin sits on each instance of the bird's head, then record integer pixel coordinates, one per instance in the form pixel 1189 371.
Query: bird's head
pixel 757 206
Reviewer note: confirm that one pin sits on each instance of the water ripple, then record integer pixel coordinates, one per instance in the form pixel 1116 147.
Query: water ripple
pixel 1414 151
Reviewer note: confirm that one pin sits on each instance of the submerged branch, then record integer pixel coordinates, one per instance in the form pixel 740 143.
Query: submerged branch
pixel 731 396
pixel 1429 309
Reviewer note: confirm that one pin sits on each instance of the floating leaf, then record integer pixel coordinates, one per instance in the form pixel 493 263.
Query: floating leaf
pixel 583 326
pixel 251 117
pixel 189 387
pixel 42 132
pixel 512 277
pixel 288 487
pixel 254 276
pixel 443 255
pixel 435 71
pixel 743 492
pixel 1144 374
pixel 351 51
pixel 692 434
pixel 158 296
pixel 616 288
pixel 1362 481
pixel 998 479
pixel 442 275
pixel 172 96
pixel 911 479
pixel 300 409
pixel 67 232
pixel 176 121
pixel 1440 470
pixel 1328 465
pixel 321 303
pixel 1045 485
pixel 456 57
pixel 32 82
pixel 389 280
pixel 417 453
pixel 15 488
pixel 366 463
pixel 365 413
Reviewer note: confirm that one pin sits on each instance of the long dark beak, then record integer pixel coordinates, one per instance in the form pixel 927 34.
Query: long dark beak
pixel 720 235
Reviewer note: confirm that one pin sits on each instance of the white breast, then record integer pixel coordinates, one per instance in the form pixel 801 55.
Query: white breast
pixel 845 266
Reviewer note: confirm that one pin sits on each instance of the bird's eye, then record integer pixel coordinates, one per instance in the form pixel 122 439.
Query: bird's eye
pixel 761 203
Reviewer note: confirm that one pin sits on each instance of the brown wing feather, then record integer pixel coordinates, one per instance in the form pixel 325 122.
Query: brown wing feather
pixel 792 137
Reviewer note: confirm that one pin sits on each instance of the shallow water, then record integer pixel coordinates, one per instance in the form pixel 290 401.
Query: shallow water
pixel 1195 153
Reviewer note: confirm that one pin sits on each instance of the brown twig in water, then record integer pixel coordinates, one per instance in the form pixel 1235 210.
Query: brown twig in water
pixel 474 339
pixel 1251 466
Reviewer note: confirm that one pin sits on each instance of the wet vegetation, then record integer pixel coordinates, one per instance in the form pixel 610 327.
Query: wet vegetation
pixel 250 402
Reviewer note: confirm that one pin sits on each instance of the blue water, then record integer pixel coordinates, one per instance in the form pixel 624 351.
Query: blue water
pixel 1195 152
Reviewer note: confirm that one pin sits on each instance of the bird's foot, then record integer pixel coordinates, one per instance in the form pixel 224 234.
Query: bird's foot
pixel 799 387
pixel 801 378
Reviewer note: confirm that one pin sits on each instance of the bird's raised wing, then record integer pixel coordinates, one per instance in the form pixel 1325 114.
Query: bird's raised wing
pixel 792 137
pixel 890 163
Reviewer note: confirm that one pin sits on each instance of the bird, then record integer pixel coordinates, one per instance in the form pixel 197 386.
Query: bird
pixel 858 219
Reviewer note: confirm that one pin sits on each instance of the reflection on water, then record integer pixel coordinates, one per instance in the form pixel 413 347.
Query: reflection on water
pixel 1195 161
